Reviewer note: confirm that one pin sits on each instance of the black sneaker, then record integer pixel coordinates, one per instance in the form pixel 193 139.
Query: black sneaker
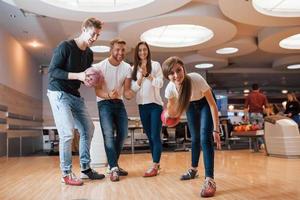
pixel 190 174
pixel 122 172
pixel 91 174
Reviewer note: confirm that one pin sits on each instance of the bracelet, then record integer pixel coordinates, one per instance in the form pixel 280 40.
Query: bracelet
pixel 215 131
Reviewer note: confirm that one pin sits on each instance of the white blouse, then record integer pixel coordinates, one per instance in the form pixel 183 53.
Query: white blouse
pixel 149 91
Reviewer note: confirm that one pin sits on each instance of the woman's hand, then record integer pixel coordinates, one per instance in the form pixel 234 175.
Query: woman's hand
pixel 217 139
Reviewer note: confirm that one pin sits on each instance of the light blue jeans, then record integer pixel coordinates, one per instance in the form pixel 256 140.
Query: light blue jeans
pixel 70 112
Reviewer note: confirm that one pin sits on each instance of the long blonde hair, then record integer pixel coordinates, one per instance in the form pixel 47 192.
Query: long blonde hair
pixel 185 91
pixel 292 94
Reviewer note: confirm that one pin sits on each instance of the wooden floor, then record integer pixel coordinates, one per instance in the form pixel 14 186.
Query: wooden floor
pixel 239 175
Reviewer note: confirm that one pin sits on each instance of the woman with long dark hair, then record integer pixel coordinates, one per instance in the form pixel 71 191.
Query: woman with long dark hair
pixel 147 79
pixel 191 93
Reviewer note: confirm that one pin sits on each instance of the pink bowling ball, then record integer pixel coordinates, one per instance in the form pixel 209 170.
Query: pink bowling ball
pixel 94 77
pixel 169 122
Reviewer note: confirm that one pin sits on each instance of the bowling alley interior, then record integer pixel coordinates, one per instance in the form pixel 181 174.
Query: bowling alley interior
pixel 235 135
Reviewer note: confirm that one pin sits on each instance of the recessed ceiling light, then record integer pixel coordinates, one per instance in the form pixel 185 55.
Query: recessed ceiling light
pixel 295 66
pixel 246 91
pixel 98 5
pixel 34 44
pixel 204 65
pixel 180 35
pixel 227 50
pixel 292 42
pixel 278 8
pixel 284 91
pixel 100 49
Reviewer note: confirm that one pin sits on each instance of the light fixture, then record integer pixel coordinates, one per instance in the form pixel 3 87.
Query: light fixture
pixel 179 35
pixel 292 42
pixel 34 44
pixel 100 49
pixel 294 66
pixel 246 91
pixel 204 65
pixel 284 91
pixel 231 107
pixel 278 8
pixel 227 50
pixel 98 5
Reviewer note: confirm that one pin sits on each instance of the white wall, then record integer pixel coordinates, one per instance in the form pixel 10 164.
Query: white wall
pixel 18 70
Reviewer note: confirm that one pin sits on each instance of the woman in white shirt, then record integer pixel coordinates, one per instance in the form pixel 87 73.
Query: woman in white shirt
pixel 147 79
pixel 191 93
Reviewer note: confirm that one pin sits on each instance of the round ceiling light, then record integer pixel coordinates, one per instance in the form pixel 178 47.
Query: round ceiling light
pixel 227 50
pixel 98 5
pixel 292 42
pixel 174 36
pixel 278 8
pixel 204 65
pixel 100 49
pixel 295 66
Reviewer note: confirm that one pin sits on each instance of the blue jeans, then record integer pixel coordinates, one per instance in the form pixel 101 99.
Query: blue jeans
pixel 296 118
pixel 150 117
pixel 70 112
pixel 201 128
pixel 113 116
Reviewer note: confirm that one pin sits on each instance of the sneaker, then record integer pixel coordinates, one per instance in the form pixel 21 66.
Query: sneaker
pixel 190 174
pixel 122 172
pixel 153 171
pixel 114 174
pixel 71 179
pixel 209 188
pixel 91 174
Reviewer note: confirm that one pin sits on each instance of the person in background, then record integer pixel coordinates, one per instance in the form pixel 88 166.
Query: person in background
pixel 66 72
pixel 292 107
pixel 254 107
pixel 112 112
pixel 191 93
pixel 147 80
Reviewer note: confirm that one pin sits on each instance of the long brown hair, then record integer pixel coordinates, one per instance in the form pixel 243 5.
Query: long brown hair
pixel 137 60
pixel 185 91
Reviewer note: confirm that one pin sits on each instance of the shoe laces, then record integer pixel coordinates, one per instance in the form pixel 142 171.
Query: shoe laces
pixel 152 168
pixel 209 183
pixel 190 172
pixel 72 176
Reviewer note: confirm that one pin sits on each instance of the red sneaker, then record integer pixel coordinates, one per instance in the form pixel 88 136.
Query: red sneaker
pixel 114 174
pixel 209 188
pixel 153 171
pixel 71 179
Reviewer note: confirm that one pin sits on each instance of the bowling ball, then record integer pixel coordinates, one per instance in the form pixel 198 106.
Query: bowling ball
pixel 94 77
pixel 170 121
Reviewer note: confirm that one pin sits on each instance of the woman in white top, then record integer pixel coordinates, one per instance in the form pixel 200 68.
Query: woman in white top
pixel 191 93
pixel 147 79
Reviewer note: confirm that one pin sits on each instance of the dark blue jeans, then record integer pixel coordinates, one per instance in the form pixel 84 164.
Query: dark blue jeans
pixel 150 117
pixel 113 116
pixel 201 128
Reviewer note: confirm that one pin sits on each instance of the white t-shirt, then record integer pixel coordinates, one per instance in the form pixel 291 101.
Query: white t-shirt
pixel 114 76
pixel 149 91
pixel 199 86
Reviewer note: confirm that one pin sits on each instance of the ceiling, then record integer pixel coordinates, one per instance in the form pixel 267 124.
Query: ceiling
pixel 234 22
